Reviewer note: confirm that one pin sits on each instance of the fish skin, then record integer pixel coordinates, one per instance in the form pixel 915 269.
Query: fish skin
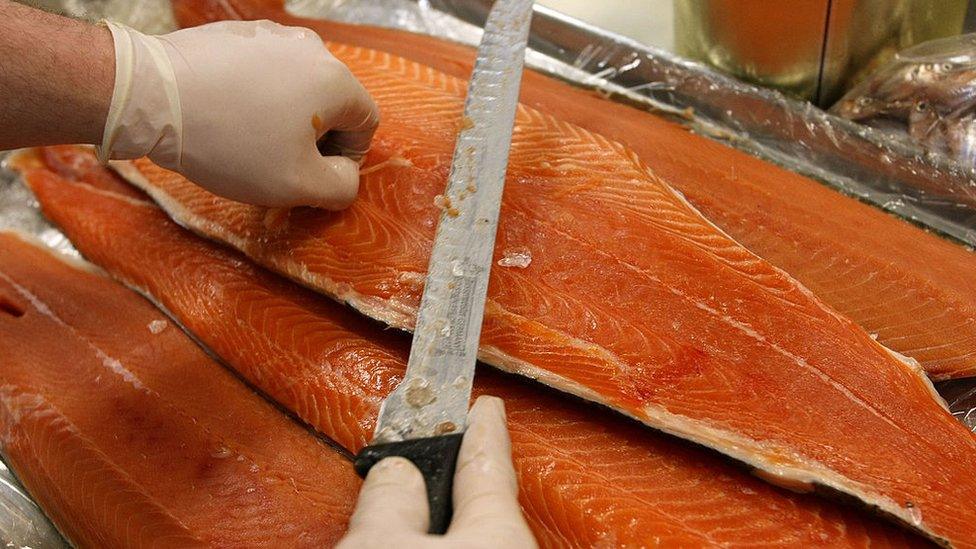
pixel 117 433
pixel 587 477
pixel 908 287
pixel 926 92
pixel 692 334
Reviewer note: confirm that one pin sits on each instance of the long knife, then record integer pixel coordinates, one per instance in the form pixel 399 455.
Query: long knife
pixel 424 418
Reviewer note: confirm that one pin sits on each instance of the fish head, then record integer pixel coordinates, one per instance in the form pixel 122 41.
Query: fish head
pixel 934 78
pixel 923 120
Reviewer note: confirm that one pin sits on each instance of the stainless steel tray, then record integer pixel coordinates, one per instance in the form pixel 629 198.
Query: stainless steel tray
pixel 897 176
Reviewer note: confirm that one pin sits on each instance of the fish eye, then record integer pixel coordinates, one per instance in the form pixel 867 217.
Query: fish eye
pixel 921 106
pixel 947 67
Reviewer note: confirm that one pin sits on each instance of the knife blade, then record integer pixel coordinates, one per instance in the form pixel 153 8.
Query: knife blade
pixel 424 418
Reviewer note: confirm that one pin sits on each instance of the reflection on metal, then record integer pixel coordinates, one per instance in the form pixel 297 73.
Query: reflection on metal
pixel 893 175
pixel 961 397
pixel 813 50
pixel 22 523
pixel 436 388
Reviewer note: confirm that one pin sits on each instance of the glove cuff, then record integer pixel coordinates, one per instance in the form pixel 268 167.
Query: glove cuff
pixel 144 118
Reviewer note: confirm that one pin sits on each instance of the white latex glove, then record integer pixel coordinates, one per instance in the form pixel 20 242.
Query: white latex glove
pixel 392 509
pixel 237 107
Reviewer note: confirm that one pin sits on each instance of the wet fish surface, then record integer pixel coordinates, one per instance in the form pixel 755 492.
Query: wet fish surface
pixel 587 477
pixel 632 300
pixel 128 437
pixel 928 92
pixel 908 288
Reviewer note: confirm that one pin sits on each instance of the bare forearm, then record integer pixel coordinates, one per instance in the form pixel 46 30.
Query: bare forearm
pixel 56 78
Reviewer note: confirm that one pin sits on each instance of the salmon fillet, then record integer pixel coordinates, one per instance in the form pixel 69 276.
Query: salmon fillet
pixel 907 287
pixel 587 477
pixel 632 299
pixel 128 435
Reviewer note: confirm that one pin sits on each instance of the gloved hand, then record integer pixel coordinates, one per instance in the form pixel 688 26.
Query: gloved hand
pixel 392 509
pixel 237 107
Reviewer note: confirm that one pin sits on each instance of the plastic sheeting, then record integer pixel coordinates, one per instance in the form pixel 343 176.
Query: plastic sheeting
pixel 19 211
pixel 891 173
pixel 151 16
pixel 927 93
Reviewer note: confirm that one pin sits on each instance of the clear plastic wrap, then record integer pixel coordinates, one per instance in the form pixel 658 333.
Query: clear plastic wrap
pixel 892 173
pixel 19 211
pixel 152 16
pixel 927 93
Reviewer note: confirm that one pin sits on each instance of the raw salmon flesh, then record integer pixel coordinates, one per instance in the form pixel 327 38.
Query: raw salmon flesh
pixel 910 289
pixel 588 478
pixel 128 435
pixel 612 287
pixel 609 286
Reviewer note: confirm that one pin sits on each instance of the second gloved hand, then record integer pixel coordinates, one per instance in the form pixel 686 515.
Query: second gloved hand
pixel 392 509
pixel 238 108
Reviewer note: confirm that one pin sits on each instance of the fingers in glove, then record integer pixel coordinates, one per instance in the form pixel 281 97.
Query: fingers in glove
pixel 393 499
pixel 351 131
pixel 485 486
pixel 329 182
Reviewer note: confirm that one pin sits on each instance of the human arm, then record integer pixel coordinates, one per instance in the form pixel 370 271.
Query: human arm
pixel 56 77
pixel 242 108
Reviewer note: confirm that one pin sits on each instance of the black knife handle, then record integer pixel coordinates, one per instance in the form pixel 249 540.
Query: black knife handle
pixel 436 458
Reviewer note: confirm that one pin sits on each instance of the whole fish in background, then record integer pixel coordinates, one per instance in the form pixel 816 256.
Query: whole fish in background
pixel 927 91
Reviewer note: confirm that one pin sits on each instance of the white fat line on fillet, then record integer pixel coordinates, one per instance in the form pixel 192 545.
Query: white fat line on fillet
pixel 404 318
pixel 70 260
pixel 733 445
pixel 806 472
pixel 299 273
pixel 38 407
pixel 900 359
pixel 114 364
pixel 748 330
pixel 110 362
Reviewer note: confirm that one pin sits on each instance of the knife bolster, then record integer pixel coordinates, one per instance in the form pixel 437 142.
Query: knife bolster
pixel 436 457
